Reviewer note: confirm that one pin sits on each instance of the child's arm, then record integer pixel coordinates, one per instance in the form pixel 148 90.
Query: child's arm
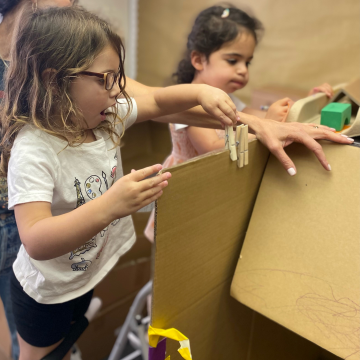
pixel 178 98
pixel 46 237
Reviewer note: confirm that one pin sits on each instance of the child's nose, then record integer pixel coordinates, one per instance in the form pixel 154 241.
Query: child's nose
pixel 242 69
pixel 115 91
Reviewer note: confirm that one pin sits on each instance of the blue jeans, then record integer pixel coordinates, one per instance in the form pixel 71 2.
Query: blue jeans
pixel 9 247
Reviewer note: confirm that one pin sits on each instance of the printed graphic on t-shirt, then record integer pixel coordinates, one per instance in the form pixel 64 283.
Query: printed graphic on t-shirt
pixel 94 186
pixel 84 248
pixel 83 265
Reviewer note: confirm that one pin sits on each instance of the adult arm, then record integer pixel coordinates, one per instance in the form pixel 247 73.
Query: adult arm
pixel 274 135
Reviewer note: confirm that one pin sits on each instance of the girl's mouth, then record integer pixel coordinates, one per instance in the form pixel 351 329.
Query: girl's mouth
pixel 103 116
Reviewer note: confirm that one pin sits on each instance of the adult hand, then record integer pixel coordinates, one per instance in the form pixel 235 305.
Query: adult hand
pixel 279 110
pixel 276 136
pixel 325 88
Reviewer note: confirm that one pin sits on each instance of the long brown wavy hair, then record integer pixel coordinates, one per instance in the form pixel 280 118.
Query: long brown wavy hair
pixel 67 40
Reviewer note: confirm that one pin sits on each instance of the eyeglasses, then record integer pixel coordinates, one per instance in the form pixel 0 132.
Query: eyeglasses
pixel 110 78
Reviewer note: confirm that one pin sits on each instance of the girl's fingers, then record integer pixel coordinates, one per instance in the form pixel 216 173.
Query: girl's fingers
pixel 153 198
pixel 232 105
pixel 229 111
pixel 144 173
pixel 153 191
pixel 154 181
pixel 216 112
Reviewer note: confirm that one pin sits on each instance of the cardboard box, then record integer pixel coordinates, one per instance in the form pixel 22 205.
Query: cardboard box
pixel 202 221
pixel 145 144
pixel 300 263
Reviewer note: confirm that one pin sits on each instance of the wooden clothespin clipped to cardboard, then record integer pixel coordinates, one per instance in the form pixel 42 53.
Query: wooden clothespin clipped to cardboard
pixel 230 142
pixel 242 143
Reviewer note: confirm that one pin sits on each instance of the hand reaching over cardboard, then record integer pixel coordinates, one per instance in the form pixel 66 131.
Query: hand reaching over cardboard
pixel 279 110
pixel 276 136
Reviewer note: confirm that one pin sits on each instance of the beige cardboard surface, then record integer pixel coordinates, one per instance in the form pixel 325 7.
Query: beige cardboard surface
pixel 145 144
pixel 305 42
pixel 352 90
pixel 197 246
pixel 300 262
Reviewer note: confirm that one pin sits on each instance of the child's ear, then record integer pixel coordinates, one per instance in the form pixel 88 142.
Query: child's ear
pixel 197 60
pixel 48 77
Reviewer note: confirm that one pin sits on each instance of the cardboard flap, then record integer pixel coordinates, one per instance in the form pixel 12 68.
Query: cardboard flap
pixel 201 222
pixel 352 90
pixel 300 262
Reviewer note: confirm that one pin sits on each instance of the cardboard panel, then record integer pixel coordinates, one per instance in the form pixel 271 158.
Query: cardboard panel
pixel 305 42
pixel 300 263
pixel 201 222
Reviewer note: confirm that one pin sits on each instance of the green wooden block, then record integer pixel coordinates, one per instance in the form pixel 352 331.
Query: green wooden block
pixel 336 115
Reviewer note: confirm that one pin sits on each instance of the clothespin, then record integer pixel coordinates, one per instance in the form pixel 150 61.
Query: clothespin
pixel 230 142
pixel 246 144
pixel 242 145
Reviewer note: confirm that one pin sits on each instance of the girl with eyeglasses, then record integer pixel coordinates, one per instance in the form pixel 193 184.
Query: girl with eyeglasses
pixel 63 114
pixel 9 235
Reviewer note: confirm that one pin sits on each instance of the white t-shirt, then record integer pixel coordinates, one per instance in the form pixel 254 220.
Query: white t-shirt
pixel 240 106
pixel 40 169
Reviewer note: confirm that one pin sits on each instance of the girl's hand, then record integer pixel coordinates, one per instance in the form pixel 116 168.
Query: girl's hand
pixel 218 104
pixel 132 192
pixel 276 136
pixel 325 88
pixel 279 110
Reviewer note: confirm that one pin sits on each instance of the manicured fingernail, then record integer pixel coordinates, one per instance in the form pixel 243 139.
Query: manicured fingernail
pixel 329 167
pixel 332 129
pixel 291 171
pixel 238 118
pixel 344 136
pixel 350 139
